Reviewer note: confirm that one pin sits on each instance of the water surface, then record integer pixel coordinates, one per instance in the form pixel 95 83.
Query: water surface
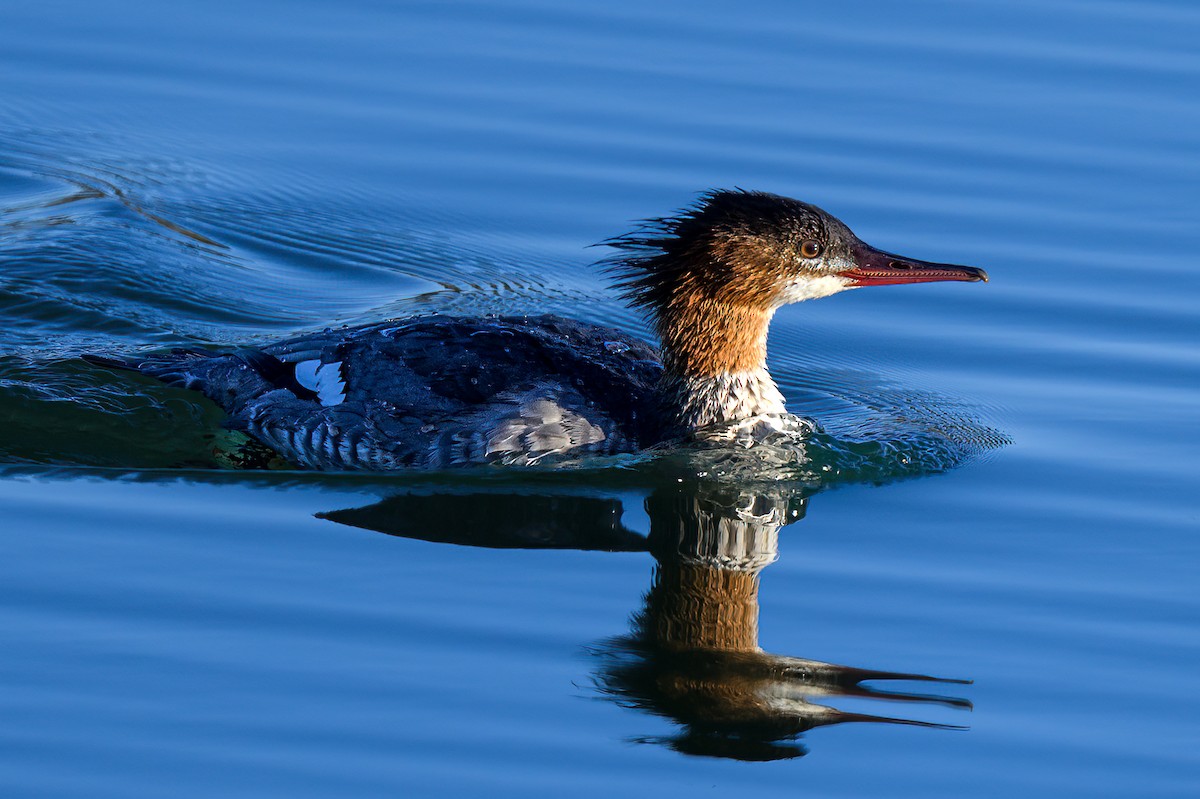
pixel 1012 498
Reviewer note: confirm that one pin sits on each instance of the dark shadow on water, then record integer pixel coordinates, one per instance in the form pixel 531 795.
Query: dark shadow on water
pixel 692 654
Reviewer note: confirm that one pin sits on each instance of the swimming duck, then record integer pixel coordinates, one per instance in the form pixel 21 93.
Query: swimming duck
pixel 432 392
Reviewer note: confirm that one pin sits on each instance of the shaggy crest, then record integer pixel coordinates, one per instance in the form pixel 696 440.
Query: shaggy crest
pixel 703 250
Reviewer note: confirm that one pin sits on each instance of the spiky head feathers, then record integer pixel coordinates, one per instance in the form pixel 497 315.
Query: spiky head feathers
pixel 740 248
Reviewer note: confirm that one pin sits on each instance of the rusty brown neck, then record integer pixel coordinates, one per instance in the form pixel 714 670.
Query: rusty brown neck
pixel 716 375
pixel 704 337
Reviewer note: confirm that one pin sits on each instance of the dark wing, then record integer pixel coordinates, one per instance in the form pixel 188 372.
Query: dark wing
pixel 432 392
pixel 471 360
pixel 444 391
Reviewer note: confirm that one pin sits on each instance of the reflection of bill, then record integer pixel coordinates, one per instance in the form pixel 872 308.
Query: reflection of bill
pixel 692 655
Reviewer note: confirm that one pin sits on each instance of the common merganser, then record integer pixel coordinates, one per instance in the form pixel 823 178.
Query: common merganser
pixel 433 392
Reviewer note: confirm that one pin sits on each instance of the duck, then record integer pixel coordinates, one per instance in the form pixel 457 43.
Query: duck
pixel 433 392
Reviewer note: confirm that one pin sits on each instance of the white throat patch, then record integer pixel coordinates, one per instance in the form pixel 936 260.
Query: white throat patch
pixel 812 288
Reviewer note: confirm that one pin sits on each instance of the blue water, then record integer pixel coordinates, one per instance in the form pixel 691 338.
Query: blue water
pixel 233 173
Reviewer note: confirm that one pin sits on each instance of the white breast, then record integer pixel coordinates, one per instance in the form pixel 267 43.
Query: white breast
pixel 725 398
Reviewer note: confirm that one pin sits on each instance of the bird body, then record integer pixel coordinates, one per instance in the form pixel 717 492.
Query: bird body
pixel 435 392
pixel 432 392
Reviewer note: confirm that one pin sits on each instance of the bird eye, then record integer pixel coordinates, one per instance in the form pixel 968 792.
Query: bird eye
pixel 810 249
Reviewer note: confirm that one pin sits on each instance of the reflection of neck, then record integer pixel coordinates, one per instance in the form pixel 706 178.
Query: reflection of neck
pixel 694 606
pixel 710 549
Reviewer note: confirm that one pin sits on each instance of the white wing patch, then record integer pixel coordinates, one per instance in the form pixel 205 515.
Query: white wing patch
pixel 323 378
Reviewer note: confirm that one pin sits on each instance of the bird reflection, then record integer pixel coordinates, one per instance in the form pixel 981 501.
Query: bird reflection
pixel 692 653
